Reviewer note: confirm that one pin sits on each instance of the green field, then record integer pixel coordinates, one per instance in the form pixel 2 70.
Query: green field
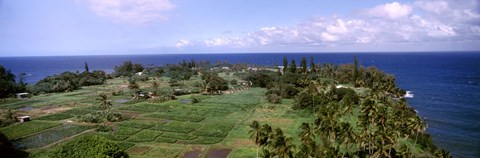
pixel 168 129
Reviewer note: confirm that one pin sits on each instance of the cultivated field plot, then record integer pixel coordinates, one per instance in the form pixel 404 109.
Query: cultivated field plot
pixel 169 129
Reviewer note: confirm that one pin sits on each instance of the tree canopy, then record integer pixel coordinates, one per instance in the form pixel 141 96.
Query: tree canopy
pixel 90 146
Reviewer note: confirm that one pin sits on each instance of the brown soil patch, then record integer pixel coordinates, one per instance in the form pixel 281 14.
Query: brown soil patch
pixel 51 110
pixel 243 142
pixel 38 112
pixel 218 153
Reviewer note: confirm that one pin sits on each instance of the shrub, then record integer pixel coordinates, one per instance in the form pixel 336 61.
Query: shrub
pixel 274 98
pixel 101 116
pixel 104 128
pixel 92 146
pixel 91 118
pixel 8 118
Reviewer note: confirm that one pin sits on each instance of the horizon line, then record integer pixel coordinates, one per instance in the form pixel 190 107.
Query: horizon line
pixel 215 53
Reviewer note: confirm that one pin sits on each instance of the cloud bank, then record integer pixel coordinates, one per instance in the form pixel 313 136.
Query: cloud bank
pixel 387 24
pixel 130 11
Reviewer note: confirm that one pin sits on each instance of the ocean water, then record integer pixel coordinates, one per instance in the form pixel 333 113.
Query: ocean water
pixel 445 86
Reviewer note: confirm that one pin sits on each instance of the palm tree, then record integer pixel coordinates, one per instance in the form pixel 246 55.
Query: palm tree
pixel 256 133
pixel 104 102
pixel 347 134
pixel 417 126
pixel 369 113
pixel 309 146
pixel 281 145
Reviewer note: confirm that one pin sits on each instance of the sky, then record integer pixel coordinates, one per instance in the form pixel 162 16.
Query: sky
pixel 106 27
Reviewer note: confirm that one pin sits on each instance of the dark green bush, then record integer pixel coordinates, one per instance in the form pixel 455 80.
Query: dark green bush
pixel 91 146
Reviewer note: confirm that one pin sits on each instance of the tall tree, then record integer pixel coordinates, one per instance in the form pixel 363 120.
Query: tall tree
pixel 86 67
pixel 285 64
pixel 7 83
pixel 303 64
pixel 256 134
pixel 293 66
pixel 355 70
pixel 312 65
pixel 104 102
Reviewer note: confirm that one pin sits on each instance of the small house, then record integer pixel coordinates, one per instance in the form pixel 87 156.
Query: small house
pixel 23 118
pixel 22 95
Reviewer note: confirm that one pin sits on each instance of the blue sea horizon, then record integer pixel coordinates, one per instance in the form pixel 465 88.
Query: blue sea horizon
pixel 446 86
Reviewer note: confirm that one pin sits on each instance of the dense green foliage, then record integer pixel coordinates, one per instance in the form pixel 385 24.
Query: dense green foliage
pixel 127 69
pixel 69 81
pixel 88 147
pixel 100 116
pixel 371 121
pixel 8 87
pixel 214 83
pixel 7 118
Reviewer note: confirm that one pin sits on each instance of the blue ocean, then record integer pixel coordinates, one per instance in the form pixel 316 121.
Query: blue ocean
pixel 445 86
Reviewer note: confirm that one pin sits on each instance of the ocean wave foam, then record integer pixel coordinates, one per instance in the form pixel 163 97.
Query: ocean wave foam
pixel 409 94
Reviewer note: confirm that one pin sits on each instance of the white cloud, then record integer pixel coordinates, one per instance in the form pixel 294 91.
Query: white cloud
pixel 392 10
pixel 390 24
pixel 183 43
pixel 437 7
pixel 130 11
